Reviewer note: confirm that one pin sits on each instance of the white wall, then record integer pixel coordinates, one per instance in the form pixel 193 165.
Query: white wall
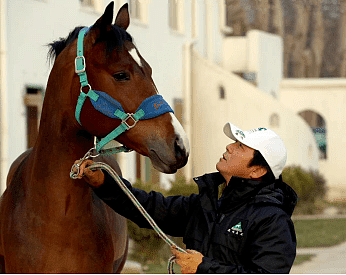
pixel 258 52
pixel 245 106
pixel 3 96
pixel 327 97
pixel 31 25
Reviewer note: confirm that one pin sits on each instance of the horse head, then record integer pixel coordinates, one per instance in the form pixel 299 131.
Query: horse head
pixel 119 76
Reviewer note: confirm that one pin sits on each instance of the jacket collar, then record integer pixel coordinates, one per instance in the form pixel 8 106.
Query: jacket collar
pixel 240 191
pixel 208 186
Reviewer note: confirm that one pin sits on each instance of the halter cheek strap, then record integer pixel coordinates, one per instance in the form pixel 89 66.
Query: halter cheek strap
pixel 151 107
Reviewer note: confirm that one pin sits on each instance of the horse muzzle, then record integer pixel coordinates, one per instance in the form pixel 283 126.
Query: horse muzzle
pixel 168 158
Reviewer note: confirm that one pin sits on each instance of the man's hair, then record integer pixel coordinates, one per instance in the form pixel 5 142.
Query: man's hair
pixel 259 160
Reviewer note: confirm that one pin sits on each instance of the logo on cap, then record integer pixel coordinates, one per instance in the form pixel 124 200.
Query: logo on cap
pixel 257 130
pixel 239 132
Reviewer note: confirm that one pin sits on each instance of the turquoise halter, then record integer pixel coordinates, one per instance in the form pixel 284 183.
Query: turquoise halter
pixel 151 107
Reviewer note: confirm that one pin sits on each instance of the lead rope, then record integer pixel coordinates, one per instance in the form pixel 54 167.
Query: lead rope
pixel 118 180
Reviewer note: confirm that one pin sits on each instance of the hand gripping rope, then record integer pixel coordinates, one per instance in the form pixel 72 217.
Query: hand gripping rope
pixel 115 176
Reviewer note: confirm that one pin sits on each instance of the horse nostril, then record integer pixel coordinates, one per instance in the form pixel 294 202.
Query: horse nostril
pixel 180 151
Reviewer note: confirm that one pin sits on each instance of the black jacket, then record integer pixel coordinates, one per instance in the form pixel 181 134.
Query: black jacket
pixel 249 230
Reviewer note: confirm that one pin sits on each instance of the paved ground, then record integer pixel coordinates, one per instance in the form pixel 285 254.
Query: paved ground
pixel 331 260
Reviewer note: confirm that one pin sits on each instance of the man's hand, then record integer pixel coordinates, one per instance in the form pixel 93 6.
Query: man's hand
pixel 187 261
pixel 93 178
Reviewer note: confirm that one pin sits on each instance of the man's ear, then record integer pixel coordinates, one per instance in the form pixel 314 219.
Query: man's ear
pixel 258 172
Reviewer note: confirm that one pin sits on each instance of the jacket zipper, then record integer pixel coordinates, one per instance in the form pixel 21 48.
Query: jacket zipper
pixel 218 219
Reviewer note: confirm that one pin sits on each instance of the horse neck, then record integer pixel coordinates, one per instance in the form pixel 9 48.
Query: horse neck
pixel 60 140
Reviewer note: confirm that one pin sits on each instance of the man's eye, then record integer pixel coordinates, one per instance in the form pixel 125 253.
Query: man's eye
pixel 121 76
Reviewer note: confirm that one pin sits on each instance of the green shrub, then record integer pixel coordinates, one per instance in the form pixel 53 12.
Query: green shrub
pixel 181 187
pixel 148 246
pixel 320 189
pixel 301 182
pixel 309 186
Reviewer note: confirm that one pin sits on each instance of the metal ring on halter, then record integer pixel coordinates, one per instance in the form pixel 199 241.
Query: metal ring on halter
pixel 88 85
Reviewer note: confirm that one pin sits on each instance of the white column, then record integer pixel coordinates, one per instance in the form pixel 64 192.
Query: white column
pixel 187 98
pixel 209 29
pixel 3 100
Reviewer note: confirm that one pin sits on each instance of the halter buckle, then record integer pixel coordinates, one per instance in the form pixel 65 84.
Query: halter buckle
pixel 78 62
pixel 129 115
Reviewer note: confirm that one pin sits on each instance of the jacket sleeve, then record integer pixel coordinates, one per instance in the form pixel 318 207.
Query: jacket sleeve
pixel 270 247
pixel 273 241
pixel 170 213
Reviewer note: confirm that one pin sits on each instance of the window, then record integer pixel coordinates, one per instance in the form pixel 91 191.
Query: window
pixel 176 15
pixel 135 9
pixel 93 5
pixel 88 3
pixel 33 101
pixel 222 93
pixel 318 127
pixel 145 170
pixel 173 14
pixel 251 77
pixel 274 121
pixel 139 10
pixel 194 28
pixel 225 6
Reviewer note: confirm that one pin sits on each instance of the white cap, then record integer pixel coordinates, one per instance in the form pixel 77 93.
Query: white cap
pixel 266 141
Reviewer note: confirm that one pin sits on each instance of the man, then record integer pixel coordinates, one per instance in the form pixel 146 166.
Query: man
pixel 247 230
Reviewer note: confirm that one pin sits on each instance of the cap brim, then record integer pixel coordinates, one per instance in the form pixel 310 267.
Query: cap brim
pixel 229 129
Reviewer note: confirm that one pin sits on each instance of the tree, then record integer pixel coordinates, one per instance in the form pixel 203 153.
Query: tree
pixel 306 26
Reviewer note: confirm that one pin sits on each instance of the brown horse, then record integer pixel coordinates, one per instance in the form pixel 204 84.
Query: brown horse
pixel 49 222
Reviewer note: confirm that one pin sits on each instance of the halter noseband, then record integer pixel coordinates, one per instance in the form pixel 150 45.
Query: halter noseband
pixel 151 107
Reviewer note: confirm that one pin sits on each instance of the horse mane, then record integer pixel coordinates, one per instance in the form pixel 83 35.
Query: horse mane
pixel 114 38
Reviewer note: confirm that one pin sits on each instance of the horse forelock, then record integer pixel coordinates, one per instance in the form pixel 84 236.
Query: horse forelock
pixel 114 38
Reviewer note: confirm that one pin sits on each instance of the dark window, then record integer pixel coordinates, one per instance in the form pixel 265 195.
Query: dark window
pixel 222 92
pixel 33 102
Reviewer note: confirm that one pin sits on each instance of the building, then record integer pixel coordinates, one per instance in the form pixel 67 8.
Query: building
pixel 205 75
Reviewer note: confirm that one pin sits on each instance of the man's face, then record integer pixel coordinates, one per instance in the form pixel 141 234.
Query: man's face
pixel 235 161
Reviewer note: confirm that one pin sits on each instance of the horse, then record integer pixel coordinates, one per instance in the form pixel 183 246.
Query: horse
pixel 50 223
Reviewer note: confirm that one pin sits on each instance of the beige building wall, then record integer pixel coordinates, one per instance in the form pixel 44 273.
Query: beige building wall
pixel 327 97
pixel 258 54
pixel 245 106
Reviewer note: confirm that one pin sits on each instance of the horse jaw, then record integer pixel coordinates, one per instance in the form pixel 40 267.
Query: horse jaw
pixel 159 154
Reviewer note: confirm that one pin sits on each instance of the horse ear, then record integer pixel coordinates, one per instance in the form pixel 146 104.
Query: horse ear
pixel 107 17
pixel 103 24
pixel 123 19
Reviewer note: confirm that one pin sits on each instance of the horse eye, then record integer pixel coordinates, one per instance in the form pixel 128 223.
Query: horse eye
pixel 121 76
